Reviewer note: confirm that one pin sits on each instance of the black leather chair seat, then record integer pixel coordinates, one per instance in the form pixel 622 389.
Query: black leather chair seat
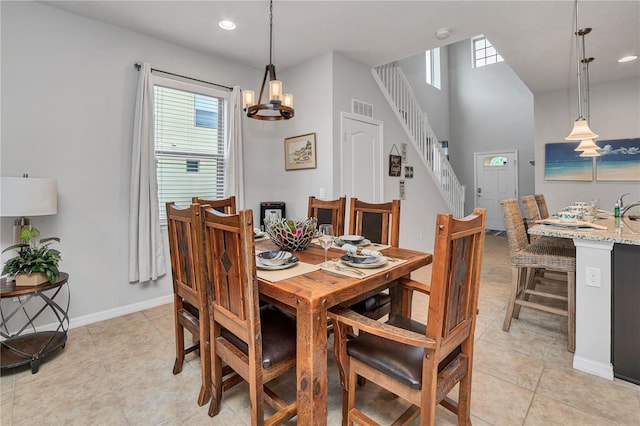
pixel 374 307
pixel 278 336
pixel 191 309
pixel 399 361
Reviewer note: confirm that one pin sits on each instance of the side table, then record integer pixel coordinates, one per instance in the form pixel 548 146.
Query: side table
pixel 27 345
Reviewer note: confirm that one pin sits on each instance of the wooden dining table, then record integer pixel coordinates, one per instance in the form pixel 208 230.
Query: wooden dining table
pixel 311 294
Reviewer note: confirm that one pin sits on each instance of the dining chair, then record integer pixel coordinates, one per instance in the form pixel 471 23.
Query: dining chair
pixel 542 206
pixel 223 205
pixel 379 223
pixel 189 298
pixel 329 211
pixel 526 259
pixel 257 343
pixel 421 361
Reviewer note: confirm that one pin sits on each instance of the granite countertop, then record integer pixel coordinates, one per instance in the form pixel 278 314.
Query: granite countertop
pixel 628 231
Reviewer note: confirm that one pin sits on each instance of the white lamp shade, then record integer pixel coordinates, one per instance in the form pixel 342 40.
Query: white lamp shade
pixel 590 153
pixel 580 131
pixel 586 144
pixel 28 196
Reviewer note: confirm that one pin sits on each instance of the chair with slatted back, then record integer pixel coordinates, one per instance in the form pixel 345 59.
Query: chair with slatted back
pixel 526 259
pixel 379 223
pixel 223 205
pixel 421 362
pixel 329 211
pixel 258 343
pixel 542 206
pixel 189 299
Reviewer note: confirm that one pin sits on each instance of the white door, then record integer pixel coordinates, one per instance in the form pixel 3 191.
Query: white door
pixel 361 171
pixel 496 179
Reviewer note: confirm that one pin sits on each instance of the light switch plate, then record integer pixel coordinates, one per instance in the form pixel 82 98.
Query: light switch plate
pixel 593 277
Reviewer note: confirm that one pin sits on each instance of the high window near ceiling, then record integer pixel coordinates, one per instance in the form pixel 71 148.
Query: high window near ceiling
pixel 432 58
pixel 190 131
pixel 484 53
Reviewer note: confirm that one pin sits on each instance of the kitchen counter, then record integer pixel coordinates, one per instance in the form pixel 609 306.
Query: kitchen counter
pixel 628 231
pixel 595 286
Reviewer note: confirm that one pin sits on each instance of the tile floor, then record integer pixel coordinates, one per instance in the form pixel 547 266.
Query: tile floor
pixel 118 372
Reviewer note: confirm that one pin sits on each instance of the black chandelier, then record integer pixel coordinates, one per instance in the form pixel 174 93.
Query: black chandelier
pixel 280 106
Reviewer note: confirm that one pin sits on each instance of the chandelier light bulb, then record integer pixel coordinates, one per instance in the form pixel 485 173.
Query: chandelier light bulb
pixel 287 100
pixel 249 98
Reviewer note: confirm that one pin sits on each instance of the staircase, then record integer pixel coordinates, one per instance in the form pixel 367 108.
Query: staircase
pixel 395 87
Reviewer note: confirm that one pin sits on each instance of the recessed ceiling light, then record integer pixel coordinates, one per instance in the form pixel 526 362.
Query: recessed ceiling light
pixel 227 25
pixel 628 58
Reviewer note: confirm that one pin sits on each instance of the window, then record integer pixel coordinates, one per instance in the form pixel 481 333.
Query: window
pixel 495 161
pixel 206 111
pixel 190 133
pixel 433 67
pixel 484 53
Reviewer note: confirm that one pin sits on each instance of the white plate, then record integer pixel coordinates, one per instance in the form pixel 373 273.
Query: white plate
pixel 260 265
pixel 362 243
pixel 380 261
pixel 259 234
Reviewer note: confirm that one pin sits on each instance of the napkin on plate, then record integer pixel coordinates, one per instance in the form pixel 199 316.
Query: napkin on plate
pixel 355 250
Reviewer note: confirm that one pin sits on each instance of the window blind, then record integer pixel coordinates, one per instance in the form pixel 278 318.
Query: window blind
pixel 189 155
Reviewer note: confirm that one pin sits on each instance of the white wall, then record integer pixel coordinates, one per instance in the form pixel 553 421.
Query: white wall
pixel 434 102
pixel 423 200
pixel 615 108
pixel 68 96
pixel 490 110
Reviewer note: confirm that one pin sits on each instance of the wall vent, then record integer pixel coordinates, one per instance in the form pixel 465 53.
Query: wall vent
pixel 361 108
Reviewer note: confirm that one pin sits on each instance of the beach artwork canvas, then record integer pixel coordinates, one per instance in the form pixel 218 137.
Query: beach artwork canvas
pixel 562 162
pixel 619 160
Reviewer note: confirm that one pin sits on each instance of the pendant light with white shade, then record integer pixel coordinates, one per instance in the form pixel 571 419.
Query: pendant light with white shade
pixel 581 131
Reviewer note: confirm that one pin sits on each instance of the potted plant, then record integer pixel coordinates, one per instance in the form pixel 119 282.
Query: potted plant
pixel 35 263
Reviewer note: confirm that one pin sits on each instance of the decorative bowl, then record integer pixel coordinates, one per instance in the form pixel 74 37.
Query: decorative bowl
pixel 274 258
pixel 291 234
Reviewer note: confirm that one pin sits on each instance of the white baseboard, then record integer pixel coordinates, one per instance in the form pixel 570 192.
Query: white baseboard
pixel 119 311
pixel 597 368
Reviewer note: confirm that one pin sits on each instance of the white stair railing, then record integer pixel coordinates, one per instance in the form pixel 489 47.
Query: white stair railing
pixel 396 88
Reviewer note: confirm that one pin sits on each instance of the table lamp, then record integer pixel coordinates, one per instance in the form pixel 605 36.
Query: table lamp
pixel 25 196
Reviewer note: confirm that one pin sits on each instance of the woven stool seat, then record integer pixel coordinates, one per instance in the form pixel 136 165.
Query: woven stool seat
pixel 542 255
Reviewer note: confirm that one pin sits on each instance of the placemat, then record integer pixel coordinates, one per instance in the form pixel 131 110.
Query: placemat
pixel 282 274
pixel 336 266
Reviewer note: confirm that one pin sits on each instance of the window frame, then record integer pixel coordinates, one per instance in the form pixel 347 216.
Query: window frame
pixel 433 68
pixel 196 89
pixel 474 58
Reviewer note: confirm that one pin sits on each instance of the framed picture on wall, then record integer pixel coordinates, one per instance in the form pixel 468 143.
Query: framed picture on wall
pixel 619 160
pixel 562 162
pixel 300 152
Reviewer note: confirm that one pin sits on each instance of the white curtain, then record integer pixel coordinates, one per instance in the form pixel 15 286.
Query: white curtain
pixel 146 252
pixel 234 175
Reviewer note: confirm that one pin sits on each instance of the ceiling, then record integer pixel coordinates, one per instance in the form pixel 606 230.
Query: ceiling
pixel 534 37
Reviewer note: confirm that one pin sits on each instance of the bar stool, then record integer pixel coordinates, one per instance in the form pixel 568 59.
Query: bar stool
pixel 526 258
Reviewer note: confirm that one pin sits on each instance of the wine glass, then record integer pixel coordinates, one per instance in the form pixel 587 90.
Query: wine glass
pixel 325 238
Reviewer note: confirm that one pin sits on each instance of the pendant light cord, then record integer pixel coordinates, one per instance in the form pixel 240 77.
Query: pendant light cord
pixel 271 30
pixel 579 75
